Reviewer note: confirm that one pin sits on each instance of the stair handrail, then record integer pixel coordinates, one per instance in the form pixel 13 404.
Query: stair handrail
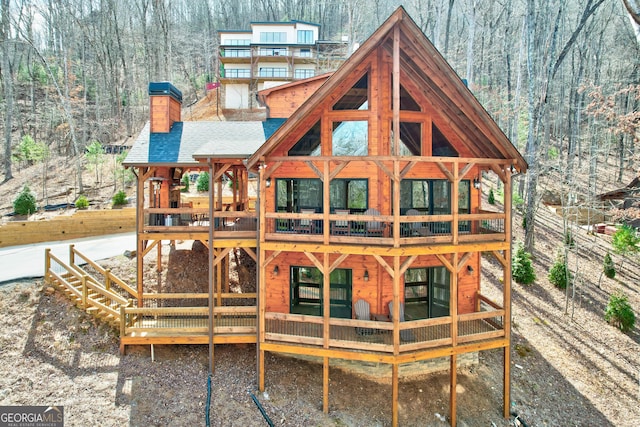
pixel 87 283
pixel 108 275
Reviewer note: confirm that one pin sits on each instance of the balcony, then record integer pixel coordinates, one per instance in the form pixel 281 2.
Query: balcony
pixel 381 229
pixel 379 336
pixel 227 224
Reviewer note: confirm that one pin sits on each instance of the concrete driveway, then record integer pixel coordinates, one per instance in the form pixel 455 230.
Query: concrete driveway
pixel 27 261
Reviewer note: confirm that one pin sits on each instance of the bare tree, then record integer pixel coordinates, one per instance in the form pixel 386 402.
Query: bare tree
pixel 7 80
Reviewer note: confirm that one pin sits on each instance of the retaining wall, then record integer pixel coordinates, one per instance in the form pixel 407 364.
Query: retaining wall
pixel 64 227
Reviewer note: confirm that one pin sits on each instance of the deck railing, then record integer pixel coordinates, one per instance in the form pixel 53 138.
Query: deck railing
pixel 83 288
pixel 187 320
pixel 368 335
pixel 352 228
pixel 161 315
pixel 198 220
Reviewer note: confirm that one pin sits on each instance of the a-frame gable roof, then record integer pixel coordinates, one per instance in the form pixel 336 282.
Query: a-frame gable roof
pixel 420 61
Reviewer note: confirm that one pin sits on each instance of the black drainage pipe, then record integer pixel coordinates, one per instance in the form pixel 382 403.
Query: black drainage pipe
pixel 264 414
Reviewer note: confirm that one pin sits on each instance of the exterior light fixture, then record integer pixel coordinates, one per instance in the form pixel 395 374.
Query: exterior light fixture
pixel 267 183
pixel 476 183
pixel 276 270
pixel 366 275
pixel 469 269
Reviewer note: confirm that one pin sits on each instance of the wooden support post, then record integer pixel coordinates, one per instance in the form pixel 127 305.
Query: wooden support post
pixel 159 258
pixel 72 256
pixel 396 306
pixel 140 270
pixel 261 370
pixel 453 301
pixel 507 382
pixel 107 279
pixel 85 292
pixel 210 275
pixel 325 385
pixel 507 295
pixel 47 264
pixel 123 322
pixel 452 390
pixel 394 394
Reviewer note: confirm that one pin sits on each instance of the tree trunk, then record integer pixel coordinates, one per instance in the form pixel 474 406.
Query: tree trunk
pixel 7 79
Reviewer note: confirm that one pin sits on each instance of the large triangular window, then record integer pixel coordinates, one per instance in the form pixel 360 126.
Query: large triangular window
pixel 356 98
pixel 410 139
pixel 407 103
pixel 440 145
pixel 309 144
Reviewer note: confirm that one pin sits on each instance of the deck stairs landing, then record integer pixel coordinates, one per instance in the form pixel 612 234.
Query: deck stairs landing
pixel 110 299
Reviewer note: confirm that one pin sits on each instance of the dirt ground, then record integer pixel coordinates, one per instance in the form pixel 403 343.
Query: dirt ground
pixel 568 366
pixel 566 370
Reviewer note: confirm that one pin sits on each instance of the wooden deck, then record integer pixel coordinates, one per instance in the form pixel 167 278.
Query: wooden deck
pixel 111 299
pixel 379 337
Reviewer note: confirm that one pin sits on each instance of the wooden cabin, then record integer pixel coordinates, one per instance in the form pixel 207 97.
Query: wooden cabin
pixel 369 227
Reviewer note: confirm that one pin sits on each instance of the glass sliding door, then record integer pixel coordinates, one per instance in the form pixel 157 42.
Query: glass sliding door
pixel 307 297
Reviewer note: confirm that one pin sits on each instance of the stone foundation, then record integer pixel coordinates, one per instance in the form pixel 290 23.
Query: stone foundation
pixel 381 372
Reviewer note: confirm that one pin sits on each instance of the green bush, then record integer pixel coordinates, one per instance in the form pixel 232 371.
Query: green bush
pixel 82 202
pixel 492 197
pixel 608 267
pixel 625 240
pixel 521 268
pixel 119 199
pixel 568 240
pixel 25 203
pixel 619 312
pixel 518 201
pixel 185 183
pixel 203 182
pixel 559 275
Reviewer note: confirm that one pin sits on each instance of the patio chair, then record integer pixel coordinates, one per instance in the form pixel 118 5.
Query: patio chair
pixel 341 226
pixel 363 312
pixel 374 228
pixel 416 228
pixel 304 225
pixel 405 334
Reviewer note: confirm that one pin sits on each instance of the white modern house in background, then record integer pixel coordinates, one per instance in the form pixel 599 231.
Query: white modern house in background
pixel 270 54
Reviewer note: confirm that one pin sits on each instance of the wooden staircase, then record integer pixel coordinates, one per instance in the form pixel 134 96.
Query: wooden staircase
pixel 112 301
pixel 98 298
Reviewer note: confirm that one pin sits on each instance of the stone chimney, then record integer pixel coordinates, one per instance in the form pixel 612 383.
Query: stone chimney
pixel 165 103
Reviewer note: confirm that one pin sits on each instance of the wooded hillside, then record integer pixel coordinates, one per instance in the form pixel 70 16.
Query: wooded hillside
pixel 561 77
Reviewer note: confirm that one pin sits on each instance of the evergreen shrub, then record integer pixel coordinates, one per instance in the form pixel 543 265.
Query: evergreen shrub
pixel 521 267
pixel 619 312
pixel 25 203
pixel 608 267
pixel 82 202
pixel 203 182
pixel 119 199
